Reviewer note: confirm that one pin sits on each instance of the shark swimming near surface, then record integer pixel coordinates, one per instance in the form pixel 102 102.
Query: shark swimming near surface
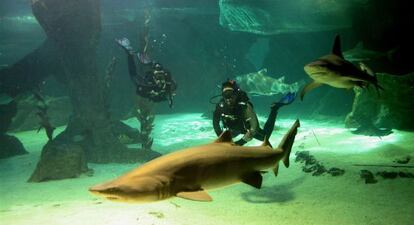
pixel 190 172
pixel 334 70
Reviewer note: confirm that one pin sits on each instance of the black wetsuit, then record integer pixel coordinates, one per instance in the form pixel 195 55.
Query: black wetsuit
pixel 146 81
pixel 241 119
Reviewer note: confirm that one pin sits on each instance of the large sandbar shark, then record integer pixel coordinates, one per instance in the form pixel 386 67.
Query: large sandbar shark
pixel 190 172
pixel 334 70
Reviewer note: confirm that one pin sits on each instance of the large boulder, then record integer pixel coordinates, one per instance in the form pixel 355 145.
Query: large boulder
pixel 10 146
pixel 392 108
pixel 60 161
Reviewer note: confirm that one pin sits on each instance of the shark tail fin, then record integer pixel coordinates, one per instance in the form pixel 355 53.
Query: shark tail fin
pixel 287 142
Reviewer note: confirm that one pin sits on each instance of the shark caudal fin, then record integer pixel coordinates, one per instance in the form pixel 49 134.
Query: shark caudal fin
pixel 287 142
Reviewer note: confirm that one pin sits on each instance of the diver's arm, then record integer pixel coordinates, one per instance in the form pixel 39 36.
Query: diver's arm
pixel 216 121
pixel 251 118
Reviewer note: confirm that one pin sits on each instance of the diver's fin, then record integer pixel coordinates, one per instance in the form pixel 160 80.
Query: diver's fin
pixel 308 87
pixel 224 137
pixel 276 169
pixel 287 142
pixel 336 49
pixel 200 195
pixel 266 142
pixel 253 179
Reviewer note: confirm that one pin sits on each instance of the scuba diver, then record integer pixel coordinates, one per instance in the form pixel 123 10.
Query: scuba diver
pixel 152 80
pixel 236 113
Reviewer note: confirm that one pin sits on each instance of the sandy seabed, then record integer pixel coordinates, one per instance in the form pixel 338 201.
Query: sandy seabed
pixel 294 197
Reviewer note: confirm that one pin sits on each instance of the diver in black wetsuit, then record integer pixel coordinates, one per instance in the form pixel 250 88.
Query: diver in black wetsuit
pixel 236 113
pixel 151 79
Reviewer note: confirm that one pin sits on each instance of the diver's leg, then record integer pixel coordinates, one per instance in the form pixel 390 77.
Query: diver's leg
pixel 271 120
pixel 260 135
pixel 132 69
pixel 126 45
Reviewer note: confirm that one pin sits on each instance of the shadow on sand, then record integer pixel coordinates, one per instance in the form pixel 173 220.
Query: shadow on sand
pixel 277 193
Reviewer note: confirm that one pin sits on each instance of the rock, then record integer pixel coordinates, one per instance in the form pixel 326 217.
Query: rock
pixel 59 161
pixel 276 17
pixel 388 175
pixel 302 156
pixel 10 146
pixel 403 160
pixel 319 169
pixel 406 174
pixel 368 176
pixel 393 108
pixel 7 112
pixel 308 168
pixel 336 171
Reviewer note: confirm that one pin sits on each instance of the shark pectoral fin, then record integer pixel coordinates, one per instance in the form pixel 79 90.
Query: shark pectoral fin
pixel 253 179
pixel 200 195
pixel 308 87
pixel 276 169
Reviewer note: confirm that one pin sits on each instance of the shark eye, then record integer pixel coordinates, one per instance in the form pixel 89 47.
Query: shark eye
pixel 112 189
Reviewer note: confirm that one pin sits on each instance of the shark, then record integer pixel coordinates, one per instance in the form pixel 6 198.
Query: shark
pixel 361 54
pixel 334 70
pixel 189 173
pixel 260 83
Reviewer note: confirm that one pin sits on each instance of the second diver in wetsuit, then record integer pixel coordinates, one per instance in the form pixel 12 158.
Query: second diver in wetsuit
pixel 150 78
pixel 235 112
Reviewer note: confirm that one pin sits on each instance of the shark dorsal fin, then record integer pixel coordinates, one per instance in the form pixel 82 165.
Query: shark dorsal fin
pixel 336 49
pixel 266 142
pixel 225 137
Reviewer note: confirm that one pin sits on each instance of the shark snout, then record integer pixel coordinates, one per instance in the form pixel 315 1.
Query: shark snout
pixel 101 188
